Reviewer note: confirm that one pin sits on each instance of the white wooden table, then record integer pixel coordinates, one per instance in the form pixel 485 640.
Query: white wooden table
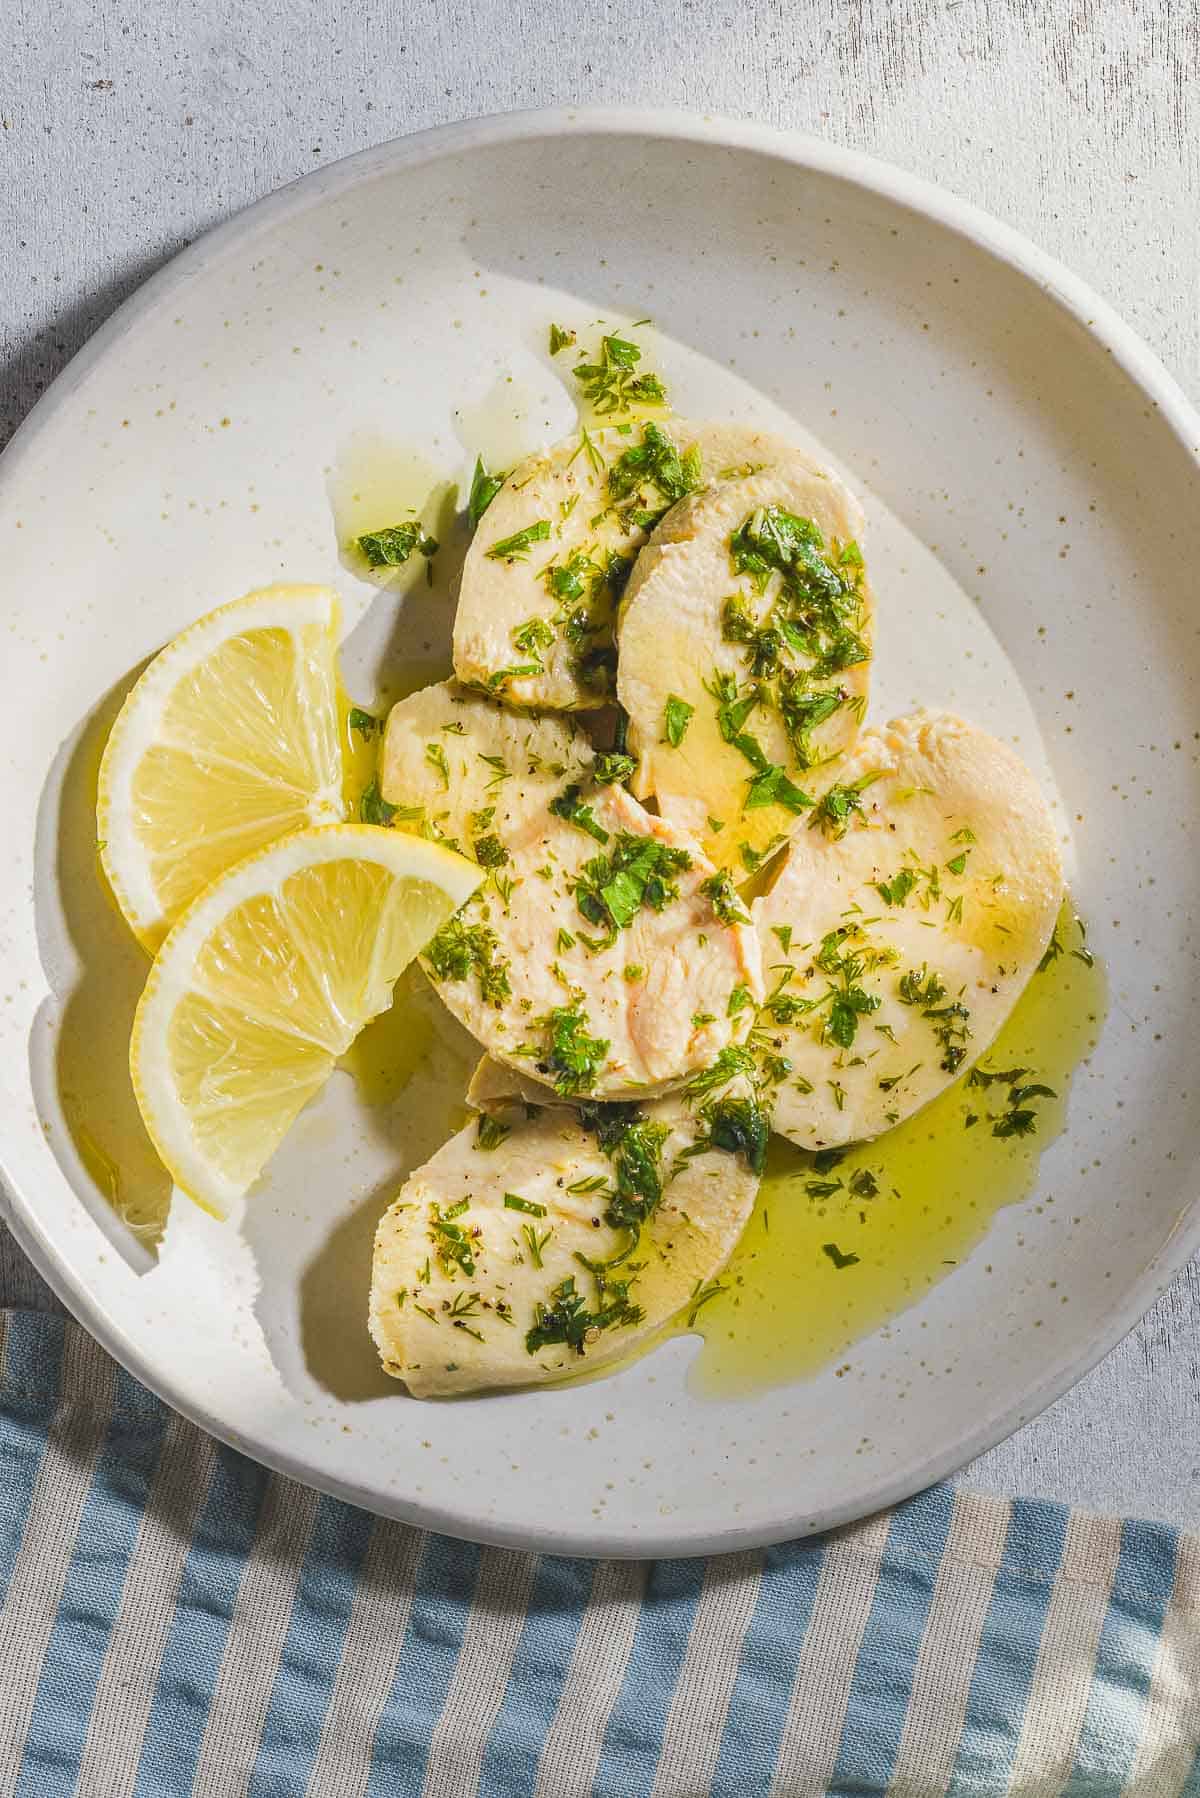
pixel 128 126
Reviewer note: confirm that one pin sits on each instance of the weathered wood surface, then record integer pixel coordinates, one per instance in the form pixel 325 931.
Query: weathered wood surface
pixel 128 126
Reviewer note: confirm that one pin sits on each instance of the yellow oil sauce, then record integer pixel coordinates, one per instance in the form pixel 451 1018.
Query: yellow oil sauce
pixel 820 1266
pixel 377 483
pixel 510 422
pixel 385 1055
pixel 363 721
pixel 594 402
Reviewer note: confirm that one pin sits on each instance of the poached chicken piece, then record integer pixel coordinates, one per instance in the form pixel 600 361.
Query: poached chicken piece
pixel 745 642
pixel 604 955
pixel 903 925
pixel 551 554
pixel 537 1243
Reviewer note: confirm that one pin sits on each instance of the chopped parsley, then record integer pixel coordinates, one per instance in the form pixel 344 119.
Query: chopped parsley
pixel 733 710
pixel 1018 1118
pixel 560 339
pixel 731 1062
pixel 392 546
pixel 836 1256
pixel 612 768
pixel 920 987
pixel 677 714
pixel 654 463
pixel 739 1126
pixel 1053 950
pixel 811 629
pixel 534 634
pixel 838 805
pixel 567 1320
pixel 373 808
pixel 535 1243
pixel 435 755
pixel 484 488
pixel 365 723
pixel 586 590
pixel 574 1058
pixel 517 547
pixel 951 1021
pixel 722 894
pixel 579 577
pixel 896 890
pixel 803 711
pixel 634 1146
pixel 490 851
pixel 848 999
pixel 1015 1122
pixel 702 1293
pixel 459 949
pixel 514 671
pixel 611 384
pixel 611 890
pixel 453 1245
pixel 771 786
pixel 570 806
pixel 514 1202
pixel 587 447
pixel 490 1132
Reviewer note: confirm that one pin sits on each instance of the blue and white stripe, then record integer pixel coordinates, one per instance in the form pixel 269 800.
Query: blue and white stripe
pixel 176 1623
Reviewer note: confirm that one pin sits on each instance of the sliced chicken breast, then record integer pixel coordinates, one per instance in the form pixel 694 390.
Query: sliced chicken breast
pixel 553 551
pixel 903 925
pixel 745 641
pixel 492 1085
pixel 539 1243
pixel 604 955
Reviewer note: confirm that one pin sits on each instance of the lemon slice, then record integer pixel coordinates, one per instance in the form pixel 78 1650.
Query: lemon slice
pixel 229 740
pixel 266 980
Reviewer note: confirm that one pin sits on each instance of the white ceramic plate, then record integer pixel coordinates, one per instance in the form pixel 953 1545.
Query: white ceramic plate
pixel 994 413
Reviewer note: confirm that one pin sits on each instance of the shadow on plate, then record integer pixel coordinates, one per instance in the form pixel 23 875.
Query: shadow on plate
pixel 79 1049
pixel 402 642
pixel 335 1343
pixel 310 1222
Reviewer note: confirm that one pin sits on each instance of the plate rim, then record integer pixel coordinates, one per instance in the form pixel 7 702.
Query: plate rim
pixel 800 150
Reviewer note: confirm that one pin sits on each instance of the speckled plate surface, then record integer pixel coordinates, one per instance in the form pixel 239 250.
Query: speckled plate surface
pixel 1032 480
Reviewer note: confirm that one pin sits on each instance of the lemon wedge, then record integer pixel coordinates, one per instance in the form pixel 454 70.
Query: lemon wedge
pixel 229 740
pixel 266 980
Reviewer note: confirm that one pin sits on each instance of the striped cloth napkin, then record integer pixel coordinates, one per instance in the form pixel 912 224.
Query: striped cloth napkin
pixel 178 1621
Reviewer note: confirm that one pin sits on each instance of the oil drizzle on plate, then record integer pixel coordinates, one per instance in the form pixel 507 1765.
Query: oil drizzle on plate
pixel 512 421
pixel 789 1305
pixel 376 483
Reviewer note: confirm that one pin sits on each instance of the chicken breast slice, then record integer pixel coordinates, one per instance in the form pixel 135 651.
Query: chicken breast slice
pixel 902 928
pixel 477 1278
pixel 603 955
pixel 745 641
pixel 492 1085
pixel 552 553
